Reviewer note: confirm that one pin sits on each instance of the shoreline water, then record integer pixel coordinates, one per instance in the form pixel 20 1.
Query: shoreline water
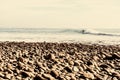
pixel 61 35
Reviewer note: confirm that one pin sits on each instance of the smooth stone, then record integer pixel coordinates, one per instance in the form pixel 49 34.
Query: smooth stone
pixel 1 69
pixel 73 78
pixel 116 74
pixel 8 76
pixel 9 66
pixel 30 69
pixel 48 76
pixel 75 69
pixel 81 69
pixel 76 63
pixel 18 77
pixel 88 75
pixel 67 77
pixel 52 56
pixel 71 62
pixel 61 54
pixel 13 78
pixel 1 74
pixel 54 73
pixel 115 78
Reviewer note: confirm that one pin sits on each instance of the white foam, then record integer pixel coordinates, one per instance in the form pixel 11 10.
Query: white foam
pixel 82 38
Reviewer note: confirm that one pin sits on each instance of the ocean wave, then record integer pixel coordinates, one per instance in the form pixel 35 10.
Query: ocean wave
pixel 58 31
pixel 90 32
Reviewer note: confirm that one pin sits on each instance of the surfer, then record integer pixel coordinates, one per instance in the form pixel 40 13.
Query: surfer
pixel 83 31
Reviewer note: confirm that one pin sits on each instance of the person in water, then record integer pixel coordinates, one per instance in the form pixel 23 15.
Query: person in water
pixel 83 31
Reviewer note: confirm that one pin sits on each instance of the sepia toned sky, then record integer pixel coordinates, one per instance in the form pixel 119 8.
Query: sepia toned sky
pixel 60 13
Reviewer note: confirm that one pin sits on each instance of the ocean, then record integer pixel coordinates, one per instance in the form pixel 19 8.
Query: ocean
pixel 101 36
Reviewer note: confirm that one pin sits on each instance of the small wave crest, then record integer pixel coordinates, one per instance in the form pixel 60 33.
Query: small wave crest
pixel 89 31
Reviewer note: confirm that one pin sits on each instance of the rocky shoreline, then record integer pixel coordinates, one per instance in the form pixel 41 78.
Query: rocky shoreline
pixel 59 61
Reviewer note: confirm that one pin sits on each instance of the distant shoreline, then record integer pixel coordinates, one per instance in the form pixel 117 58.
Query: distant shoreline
pixel 62 42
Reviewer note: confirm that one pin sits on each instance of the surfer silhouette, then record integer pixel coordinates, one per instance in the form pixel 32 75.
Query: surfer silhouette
pixel 83 31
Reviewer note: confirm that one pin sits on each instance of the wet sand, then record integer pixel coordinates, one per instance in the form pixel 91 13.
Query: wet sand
pixel 59 61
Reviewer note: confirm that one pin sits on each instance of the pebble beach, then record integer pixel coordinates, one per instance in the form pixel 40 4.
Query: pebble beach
pixel 59 61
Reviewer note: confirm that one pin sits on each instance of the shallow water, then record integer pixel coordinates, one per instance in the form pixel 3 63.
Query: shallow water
pixel 109 36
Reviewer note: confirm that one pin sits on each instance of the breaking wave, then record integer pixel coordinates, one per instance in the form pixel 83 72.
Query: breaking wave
pixel 90 32
pixel 58 31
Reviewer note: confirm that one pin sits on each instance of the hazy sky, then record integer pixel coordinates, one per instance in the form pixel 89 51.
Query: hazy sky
pixel 60 13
